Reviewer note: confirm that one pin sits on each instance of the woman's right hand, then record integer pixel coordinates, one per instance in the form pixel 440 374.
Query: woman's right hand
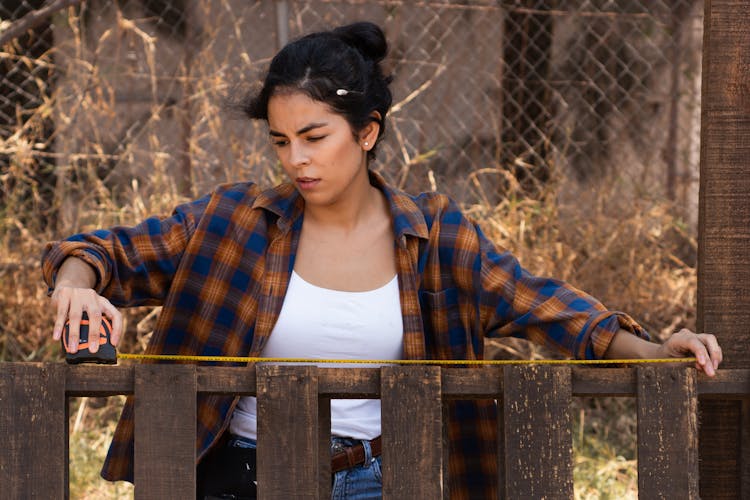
pixel 71 302
pixel 73 295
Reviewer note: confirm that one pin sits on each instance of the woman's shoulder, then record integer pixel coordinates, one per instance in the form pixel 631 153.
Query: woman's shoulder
pixel 247 193
pixel 236 190
pixel 440 206
pixel 428 202
pixel 437 214
pixel 221 200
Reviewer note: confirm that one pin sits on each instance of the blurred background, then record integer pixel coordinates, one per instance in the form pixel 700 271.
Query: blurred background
pixel 569 129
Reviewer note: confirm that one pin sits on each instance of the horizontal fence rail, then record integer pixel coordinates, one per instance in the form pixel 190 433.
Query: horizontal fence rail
pixel 534 443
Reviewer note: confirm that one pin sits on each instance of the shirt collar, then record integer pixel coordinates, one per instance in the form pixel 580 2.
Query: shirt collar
pixel 407 218
pixel 285 201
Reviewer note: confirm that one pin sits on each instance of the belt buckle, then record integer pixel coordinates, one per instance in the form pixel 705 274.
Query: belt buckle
pixel 337 447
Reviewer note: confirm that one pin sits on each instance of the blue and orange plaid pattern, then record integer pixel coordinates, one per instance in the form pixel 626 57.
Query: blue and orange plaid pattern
pixel 220 267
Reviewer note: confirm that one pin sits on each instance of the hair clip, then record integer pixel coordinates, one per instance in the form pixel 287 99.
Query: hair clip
pixel 343 92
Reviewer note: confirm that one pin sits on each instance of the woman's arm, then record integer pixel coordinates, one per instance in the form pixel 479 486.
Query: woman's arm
pixel 132 266
pixel 703 347
pixel 124 265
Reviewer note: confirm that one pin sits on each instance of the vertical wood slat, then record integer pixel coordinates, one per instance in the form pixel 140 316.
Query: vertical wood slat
pixel 165 430
pixel 412 429
pixel 324 447
pixel 745 445
pixel 288 432
pixel 667 433
pixel 724 236
pixel 446 455
pixel 501 479
pixel 34 429
pixel 538 440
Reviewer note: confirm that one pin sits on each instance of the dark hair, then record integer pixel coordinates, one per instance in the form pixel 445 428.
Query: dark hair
pixel 340 68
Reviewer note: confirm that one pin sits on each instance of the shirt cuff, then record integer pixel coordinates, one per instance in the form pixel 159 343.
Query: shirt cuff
pixel 55 254
pixel 603 329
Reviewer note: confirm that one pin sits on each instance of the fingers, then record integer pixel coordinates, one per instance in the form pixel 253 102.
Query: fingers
pixel 703 346
pixel 70 304
pixel 115 316
pixel 61 301
pixel 714 351
pixel 75 314
pixel 703 360
pixel 95 324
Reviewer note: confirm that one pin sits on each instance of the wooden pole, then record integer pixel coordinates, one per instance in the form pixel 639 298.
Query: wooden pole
pixel 724 238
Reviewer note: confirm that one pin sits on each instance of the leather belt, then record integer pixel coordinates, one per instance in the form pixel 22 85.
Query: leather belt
pixel 353 455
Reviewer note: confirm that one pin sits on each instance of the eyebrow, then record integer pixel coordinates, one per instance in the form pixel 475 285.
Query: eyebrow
pixel 301 131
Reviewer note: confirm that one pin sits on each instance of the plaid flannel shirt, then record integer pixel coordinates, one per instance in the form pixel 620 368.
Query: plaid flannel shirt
pixel 220 267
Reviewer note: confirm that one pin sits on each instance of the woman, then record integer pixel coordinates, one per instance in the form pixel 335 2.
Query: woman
pixel 334 264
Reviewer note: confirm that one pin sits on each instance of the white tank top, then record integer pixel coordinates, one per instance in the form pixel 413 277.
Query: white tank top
pixel 321 323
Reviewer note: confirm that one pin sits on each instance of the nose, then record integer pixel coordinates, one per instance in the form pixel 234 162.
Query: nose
pixel 298 154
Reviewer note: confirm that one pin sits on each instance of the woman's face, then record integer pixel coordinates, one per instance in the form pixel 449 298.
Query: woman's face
pixel 317 148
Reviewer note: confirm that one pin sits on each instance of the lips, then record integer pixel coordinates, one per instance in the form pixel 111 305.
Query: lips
pixel 307 182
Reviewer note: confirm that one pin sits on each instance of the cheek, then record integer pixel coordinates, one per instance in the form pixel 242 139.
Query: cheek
pixel 283 159
pixel 348 150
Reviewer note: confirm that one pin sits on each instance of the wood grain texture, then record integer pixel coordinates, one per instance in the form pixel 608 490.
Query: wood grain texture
pixel 538 441
pixel 324 447
pixel 501 446
pixel 412 430
pixel 165 430
pixel 667 433
pixel 33 426
pixel 724 235
pixel 288 436
pixel 457 383
pixel 724 232
pixel 238 380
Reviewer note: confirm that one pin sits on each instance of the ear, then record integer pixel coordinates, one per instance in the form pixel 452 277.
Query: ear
pixel 369 133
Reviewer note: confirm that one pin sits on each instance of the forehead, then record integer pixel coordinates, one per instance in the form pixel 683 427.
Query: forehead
pixel 291 111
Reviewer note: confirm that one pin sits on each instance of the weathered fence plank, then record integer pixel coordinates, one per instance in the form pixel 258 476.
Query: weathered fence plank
pixel 667 454
pixel 457 383
pixel 33 426
pixel 295 405
pixel 324 447
pixel 412 428
pixel 724 237
pixel 165 428
pixel 288 435
pixel 501 455
pixel 538 441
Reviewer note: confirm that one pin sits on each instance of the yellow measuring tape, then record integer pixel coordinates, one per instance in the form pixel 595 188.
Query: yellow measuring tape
pixel 246 359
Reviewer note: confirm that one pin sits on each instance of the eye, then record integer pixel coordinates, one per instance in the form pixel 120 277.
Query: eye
pixel 316 138
pixel 279 142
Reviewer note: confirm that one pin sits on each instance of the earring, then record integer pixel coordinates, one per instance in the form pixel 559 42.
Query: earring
pixel 367 143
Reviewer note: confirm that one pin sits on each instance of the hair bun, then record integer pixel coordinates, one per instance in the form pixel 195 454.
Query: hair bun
pixel 366 37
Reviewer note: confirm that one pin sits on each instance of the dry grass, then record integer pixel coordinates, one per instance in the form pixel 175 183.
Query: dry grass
pixel 92 424
pixel 632 256
pixel 631 251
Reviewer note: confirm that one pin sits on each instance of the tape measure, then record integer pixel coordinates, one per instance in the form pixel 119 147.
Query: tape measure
pixel 248 359
pixel 106 355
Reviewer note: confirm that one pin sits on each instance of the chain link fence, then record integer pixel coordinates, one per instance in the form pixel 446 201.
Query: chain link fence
pixel 126 100
pixel 113 110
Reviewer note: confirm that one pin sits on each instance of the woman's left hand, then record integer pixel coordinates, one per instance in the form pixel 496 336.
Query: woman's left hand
pixel 703 346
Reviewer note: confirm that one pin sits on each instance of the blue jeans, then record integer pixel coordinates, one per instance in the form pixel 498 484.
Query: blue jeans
pixel 363 482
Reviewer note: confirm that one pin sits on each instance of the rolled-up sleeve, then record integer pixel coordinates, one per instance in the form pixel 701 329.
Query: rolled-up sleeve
pixel 513 302
pixel 133 265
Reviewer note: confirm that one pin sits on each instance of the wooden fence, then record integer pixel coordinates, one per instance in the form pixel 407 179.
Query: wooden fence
pixel 535 452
